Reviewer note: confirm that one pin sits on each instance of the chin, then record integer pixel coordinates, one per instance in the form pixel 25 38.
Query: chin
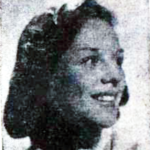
pixel 108 120
pixel 108 123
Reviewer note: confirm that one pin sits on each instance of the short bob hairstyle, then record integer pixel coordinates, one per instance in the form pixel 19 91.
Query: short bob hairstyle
pixel 42 43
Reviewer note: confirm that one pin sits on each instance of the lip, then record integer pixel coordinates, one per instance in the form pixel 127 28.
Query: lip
pixel 105 98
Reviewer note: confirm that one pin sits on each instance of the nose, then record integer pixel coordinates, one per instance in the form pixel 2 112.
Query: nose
pixel 112 75
pixel 113 81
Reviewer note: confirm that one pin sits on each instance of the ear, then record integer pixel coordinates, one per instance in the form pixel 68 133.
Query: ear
pixel 26 101
pixel 125 97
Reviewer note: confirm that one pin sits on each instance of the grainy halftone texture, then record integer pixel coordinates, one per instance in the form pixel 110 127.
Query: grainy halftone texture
pixel 132 130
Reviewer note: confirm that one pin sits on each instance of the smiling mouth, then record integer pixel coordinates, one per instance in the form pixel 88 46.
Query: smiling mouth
pixel 104 97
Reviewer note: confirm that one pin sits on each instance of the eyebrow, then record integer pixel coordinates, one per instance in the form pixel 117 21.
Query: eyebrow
pixel 96 49
pixel 89 48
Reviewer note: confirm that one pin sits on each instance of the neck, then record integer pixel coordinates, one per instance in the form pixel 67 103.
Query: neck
pixel 84 134
pixel 68 136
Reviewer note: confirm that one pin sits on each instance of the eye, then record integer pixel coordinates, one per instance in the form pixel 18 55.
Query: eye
pixel 120 57
pixel 85 60
pixel 90 59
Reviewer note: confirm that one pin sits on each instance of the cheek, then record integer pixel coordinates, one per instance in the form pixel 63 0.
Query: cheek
pixel 84 78
pixel 79 79
pixel 88 78
pixel 76 86
pixel 73 78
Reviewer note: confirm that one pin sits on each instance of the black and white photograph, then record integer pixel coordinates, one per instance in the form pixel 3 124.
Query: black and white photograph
pixel 75 75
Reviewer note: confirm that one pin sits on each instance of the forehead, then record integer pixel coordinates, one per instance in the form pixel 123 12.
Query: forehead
pixel 96 34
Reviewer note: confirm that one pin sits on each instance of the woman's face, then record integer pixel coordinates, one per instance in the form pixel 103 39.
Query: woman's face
pixel 93 80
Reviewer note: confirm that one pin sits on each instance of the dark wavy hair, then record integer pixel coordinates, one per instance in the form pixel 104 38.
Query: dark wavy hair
pixel 42 43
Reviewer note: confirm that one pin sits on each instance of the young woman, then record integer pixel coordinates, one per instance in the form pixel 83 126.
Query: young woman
pixel 68 82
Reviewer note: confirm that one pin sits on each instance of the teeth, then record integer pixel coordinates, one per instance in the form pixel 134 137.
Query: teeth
pixel 106 98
